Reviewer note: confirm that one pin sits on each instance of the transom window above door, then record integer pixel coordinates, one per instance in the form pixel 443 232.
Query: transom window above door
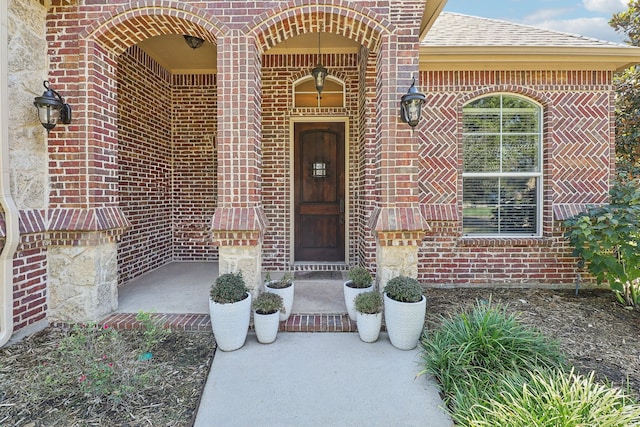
pixel 502 167
pixel 306 95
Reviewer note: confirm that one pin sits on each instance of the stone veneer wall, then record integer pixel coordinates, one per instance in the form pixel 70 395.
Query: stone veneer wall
pixel 27 69
pixel 578 150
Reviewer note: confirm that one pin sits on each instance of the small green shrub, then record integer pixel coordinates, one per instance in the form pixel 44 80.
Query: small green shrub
pixel 284 282
pixel 228 288
pixel 368 302
pixel 404 289
pixel 153 330
pixel 359 277
pixel 268 303
pixel 470 349
pixel 95 368
pixel 606 238
pixel 549 399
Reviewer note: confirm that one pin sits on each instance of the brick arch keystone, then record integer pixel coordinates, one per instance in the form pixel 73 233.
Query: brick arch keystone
pixel 346 18
pixel 131 24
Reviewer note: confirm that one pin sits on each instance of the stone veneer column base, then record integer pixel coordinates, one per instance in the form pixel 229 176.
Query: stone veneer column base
pixel 246 259
pixel 83 282
pixel 393 261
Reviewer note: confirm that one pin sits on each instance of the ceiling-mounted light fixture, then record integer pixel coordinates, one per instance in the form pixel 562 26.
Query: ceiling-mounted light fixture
pixel 319 73
pixel 411 105
pixel 193 41
pixel 51 108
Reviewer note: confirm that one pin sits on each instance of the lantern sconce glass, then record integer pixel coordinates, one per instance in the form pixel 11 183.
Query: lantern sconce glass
pixel 319 73
pixel 193 41
pixel 411 105
pixel 52 108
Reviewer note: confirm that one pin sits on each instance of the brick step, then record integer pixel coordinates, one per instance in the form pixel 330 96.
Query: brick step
pixel 202 323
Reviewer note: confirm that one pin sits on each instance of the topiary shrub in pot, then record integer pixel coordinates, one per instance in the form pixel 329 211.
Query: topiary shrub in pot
pixel 360 281
pixel 266 316
pixel 283 287
pixel 404 310
pixel 368 307
pixel 230 311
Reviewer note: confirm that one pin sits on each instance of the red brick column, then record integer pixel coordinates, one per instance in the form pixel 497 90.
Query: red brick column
pixel 397 221
pixel 239 221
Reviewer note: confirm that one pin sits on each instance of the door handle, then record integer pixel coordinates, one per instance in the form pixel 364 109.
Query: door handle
pixel 341 211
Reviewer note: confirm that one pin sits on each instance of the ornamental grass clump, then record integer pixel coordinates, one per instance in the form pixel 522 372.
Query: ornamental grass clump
pixel 551 398
pixel 468 351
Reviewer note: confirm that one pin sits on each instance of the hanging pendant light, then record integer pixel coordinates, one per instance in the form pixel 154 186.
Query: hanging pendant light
pixel 193 41
pixel 319 73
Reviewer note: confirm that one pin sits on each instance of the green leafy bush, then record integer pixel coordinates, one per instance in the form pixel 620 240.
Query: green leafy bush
pixel 606 238
pixel 470 349
pixel 229 288
pixel 368 302
pixel 154 331
pixel 93 366
pixel 359 277
pixel 404 289
pixel 284 282
pixel 551 398
pixel 268 303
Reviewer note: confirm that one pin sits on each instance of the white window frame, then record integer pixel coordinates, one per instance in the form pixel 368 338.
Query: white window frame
pixel 493 175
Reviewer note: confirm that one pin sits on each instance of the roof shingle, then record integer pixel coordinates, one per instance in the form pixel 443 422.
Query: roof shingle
pixel 454 29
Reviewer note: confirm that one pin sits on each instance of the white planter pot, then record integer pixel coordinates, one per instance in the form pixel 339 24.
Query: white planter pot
pixel 369 326
pixel 404 321
pixel 230 323
pixel 266 326
pixel 287 297
pixel 350 295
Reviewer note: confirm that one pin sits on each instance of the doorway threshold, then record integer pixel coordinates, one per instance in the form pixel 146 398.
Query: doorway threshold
pixel 313 266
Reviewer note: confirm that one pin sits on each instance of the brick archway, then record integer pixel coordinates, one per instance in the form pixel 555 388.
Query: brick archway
pixel 350 20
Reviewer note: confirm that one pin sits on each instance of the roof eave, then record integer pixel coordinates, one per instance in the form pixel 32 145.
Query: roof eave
pixel 431 12
pixel 600 58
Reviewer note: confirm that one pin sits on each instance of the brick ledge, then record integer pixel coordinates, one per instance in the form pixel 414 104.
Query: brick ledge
pixel 202 323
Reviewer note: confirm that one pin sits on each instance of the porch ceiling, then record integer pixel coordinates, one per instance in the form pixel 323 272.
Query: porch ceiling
pixel 173 54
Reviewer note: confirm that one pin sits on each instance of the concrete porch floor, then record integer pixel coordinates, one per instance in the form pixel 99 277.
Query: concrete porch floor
pixel 178 294
pixel 183 288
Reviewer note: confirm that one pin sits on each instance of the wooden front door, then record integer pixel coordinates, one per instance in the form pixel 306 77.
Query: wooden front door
pixel 319 191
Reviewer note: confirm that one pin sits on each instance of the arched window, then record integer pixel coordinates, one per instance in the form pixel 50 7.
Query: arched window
pixel 306 95
pixel 502 166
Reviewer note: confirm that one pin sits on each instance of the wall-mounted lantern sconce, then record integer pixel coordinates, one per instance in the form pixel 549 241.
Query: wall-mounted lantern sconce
pixel 51 108
pixel 319 73
pixel 193 41
pixel 411 105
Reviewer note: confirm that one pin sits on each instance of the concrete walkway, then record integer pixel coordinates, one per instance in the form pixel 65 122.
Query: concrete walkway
pixel 302 379
pixel 319 379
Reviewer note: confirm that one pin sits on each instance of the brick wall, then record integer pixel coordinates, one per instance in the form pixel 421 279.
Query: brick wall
pixel 278 75
pixel 144 164
pixel 577 114
pixel 194 187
